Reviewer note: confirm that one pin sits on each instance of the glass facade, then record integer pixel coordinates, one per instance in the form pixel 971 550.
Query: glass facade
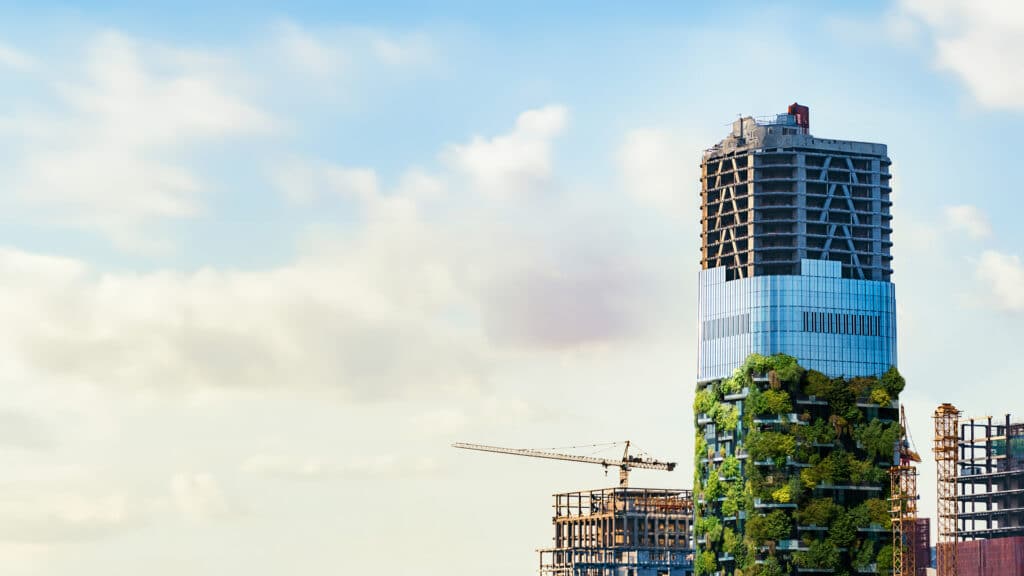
pixel 837 326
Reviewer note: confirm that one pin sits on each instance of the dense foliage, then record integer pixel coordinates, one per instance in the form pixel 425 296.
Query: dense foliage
pixel 801 480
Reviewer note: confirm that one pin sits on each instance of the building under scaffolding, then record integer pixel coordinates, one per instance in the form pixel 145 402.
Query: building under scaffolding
pixel 981 522
pixel 991 479
pixel 621 532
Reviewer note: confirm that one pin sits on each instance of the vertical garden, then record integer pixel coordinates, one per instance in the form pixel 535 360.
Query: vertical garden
pixel 792 471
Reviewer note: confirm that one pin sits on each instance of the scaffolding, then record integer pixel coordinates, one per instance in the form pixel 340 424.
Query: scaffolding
pixel 903 509
pixel 946 420
pixel 620 532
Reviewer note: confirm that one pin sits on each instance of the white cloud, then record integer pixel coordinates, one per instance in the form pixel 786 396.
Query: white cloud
pixel 360 183
pixel 308 53
pixel 14 59
pixel 38 514
pixel 110 159
pixel 969 219
pixel 198 496
pixel 403 51
pixel 296 180
pixel 359 318
pixel 1004 277
pixel 657 168
pixel 513 163
pixel 408 303
pixel 334 52
pixel 982 42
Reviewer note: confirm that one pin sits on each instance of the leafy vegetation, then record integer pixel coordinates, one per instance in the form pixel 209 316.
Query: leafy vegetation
pixel 770 446
pixel 817 436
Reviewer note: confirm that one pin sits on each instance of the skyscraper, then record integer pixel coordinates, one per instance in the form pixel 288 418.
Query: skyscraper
pixel 795 250
pixel 796 406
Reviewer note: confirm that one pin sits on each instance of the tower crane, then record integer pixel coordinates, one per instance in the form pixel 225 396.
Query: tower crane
pixel 624 465
pixel 907 451
pixel 903 500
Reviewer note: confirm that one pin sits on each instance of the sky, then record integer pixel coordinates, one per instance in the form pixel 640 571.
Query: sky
pixel 261 265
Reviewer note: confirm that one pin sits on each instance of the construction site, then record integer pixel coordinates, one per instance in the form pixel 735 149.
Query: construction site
pixel 980 485
pixel 804 462
pixel 627 531
pixel 620 531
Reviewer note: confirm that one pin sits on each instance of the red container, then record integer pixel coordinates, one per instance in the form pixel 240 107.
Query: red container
pixel 995 557
pixel 803 115
pixel 922 545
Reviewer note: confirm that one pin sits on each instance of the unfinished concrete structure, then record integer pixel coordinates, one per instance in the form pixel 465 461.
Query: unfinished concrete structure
pixel 621 532
pixel 981 494
pixel 774 195
pixel 990 491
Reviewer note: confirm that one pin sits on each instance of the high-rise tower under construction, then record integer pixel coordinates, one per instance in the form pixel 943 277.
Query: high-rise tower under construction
pixel 795 250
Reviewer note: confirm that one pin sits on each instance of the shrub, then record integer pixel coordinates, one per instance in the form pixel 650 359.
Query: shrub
pixel 700 452
pixel 730 468
pixel 769 402
pixel 770 567
pixel 730 541
pixel 705 563
pixel 708 526
pixel 861 385
pixel 783 495
pixel 727 418
pixel 758 364
pixel 878 512
pixel 822 554
pixel 731 504
pixel 818 512
pixel 770 445
pixel 893 382
pixel 773 526
pixel 884 559
pixel 787 369
pixel 713 488
pixel 821 432
pixel 865 554
pixel 817 384
pixel 705 401
pixel 733 385
pixel 843 530
pixel 880 396
pixel 878 439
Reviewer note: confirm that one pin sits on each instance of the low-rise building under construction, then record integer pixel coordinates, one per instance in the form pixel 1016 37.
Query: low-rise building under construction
pixel 981 494
pixel 621 532
pixel 991 478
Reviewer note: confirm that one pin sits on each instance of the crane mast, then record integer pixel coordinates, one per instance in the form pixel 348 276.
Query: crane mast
pixel 903 501
pixel 624 465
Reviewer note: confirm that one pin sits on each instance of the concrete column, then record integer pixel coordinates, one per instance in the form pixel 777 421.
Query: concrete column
pixel 801 202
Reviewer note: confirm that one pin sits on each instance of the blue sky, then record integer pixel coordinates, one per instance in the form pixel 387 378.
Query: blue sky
pixel 260 266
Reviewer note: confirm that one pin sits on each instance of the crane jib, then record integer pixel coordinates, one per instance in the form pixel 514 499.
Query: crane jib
pixel 624 465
